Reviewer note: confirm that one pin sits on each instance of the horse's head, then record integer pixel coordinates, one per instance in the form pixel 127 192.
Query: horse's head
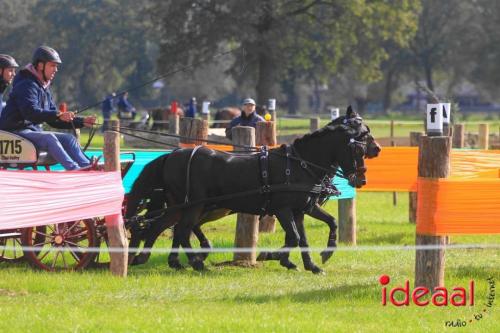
pixel 359 143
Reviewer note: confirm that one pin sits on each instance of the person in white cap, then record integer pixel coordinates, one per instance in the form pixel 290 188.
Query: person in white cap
pixel 248 117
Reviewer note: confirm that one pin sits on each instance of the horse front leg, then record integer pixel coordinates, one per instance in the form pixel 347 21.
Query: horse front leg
pixel 152 234
pixel 304 246
pixel 292 237
pixel 320 214
pixel 173 257
pixel 189 219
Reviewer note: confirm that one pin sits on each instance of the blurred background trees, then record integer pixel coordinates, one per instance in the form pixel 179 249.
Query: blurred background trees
pixel 308 54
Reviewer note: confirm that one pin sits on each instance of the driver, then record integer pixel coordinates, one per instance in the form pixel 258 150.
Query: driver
pixel 30 104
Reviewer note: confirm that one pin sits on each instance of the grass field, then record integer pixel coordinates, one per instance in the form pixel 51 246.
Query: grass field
pixel 267 298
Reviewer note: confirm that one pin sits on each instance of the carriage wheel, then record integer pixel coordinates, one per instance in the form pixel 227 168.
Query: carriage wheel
pixel 63 246
pixel 10 246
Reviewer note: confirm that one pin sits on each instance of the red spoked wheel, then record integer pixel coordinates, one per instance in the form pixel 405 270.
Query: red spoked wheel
pixel 63 246
pixel 11 246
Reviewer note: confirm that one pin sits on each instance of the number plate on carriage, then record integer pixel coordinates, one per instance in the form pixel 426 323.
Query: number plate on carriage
pixel 16 149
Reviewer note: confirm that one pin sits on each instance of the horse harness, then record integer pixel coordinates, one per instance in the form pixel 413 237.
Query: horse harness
pixel 324 188
pixel 319 192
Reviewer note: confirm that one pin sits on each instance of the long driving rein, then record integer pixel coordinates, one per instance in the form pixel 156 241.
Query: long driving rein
pixel 322 188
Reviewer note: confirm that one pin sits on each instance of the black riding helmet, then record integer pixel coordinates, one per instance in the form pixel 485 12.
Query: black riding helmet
pixel 6 61
pixel 45 54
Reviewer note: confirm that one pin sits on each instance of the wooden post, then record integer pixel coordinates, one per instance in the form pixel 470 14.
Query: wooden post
pixel 347 220
pixel 273 116
pixel 205 116
pixel 116 231
pixel 458 136
pixel 173 123
pixel 484 134
pixel 412 202
pixel 433 162
pixel 314 124
pixel 393 143
pixel 265 134
pixel 195 129
pixel 247 226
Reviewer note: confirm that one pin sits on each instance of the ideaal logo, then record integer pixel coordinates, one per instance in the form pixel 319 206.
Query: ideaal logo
pixel 458 296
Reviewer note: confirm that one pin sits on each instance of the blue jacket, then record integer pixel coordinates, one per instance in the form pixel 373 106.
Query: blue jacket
pixel 124 105
pixel 30 105
pixel 1 103
pixel 108 106
pixel 243 120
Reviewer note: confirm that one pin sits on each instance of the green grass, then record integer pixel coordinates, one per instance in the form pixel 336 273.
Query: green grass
pixel 380 128
pixel 268 298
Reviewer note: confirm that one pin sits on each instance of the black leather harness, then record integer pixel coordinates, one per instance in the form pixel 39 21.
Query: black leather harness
pixel 317 191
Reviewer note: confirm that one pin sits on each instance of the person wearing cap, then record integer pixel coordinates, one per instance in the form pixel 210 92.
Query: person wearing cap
pixel 30 104
pixel 8 67
pixel 108 107
pixel 248 117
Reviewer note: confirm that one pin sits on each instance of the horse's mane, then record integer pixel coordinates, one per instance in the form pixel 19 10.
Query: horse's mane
pixel 320 132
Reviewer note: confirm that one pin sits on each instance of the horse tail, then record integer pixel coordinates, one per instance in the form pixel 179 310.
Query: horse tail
pixel 149 179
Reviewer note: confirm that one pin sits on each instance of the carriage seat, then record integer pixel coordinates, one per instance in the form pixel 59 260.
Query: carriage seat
pixel 16 151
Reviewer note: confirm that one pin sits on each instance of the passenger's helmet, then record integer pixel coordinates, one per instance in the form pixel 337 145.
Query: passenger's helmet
pixel 6 61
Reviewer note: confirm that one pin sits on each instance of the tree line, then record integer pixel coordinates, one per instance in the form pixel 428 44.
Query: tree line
pixel 373 46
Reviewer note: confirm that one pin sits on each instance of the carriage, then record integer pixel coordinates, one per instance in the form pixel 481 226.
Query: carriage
pixel 57 246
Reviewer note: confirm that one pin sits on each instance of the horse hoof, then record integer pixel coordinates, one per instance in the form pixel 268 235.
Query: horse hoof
pixel 318 271
pixel 262 256
pixel 175 265
pixel 198 265
pixel 325 255
pixel 289 265
pixel 140 259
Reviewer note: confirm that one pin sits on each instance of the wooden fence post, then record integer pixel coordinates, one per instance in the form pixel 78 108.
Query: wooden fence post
pixel 116 231
pixel 412 202
pixel 173 123
pixel 205 116
pixel 433 162
pixel 247 226
pixel 347 220
pixel 458 136
pixel 484 134
pixel 265 134
pixel 393 143
pixel 195 129
pixel 314 124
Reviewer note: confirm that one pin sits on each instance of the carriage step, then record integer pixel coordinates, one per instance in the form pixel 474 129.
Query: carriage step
pixel 10 235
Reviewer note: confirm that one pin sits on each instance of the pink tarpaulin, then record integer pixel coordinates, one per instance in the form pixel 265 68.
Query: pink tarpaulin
pixel 29 198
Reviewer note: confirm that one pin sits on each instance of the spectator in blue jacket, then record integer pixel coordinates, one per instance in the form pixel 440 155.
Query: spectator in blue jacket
pixel 7 72
pixel 248 117
pixel 30 104
pixel 191 108
pixel 108 107
pixel 125 109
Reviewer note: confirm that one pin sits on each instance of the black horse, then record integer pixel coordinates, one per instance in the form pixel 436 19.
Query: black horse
pixel 314 156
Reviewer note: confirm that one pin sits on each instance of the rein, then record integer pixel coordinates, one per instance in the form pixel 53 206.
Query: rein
pixel 248 149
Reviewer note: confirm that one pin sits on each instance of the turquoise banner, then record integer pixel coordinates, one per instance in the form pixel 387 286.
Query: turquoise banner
pixel 144 157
